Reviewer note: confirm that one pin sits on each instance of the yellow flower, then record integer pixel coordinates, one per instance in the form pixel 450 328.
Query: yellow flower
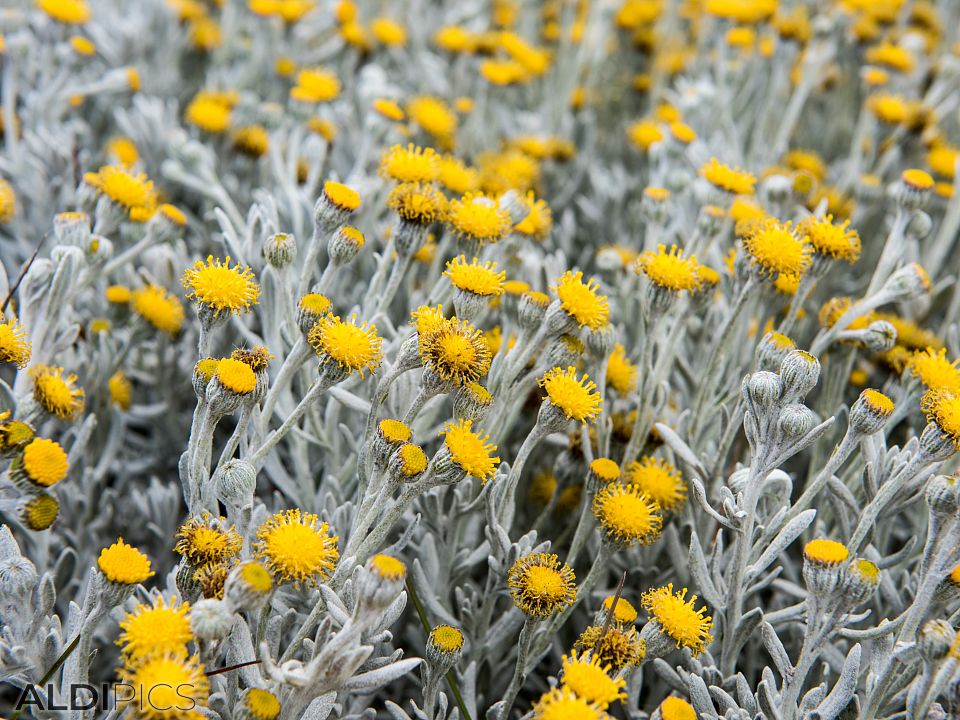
pixel 456 176
pixel 541 585
pixel 260 704
pixel 678 617
pixel 121 148
pixel 206 539
pixel 8 199
pixel 618 647
pixel 389 109
pixel 124 564
pixel 341 196
pixel 39 512
pixel 219 287
pixel 674 708
pixel 158 307
pixel 388 32
pixel 446 639
pixel 660 480
pixel 934 370
pixel 627 515
pixel 539 220
pixel 564 704
pixel 589 679
pixel 315 85
pixel 581 300
pixel 892 56
pixel 474 277
pixel 177 685
pixel 118 295
pixel 621 373
pixel 210 112
pixel 297 548
pixel 68 12
pixel 410 164
pixel 542 487
pixel 470 450
pixel 576 397
pixel 388 567
pixel 478 217
pixel 624 613
pixel 732 180
pixel 15 344
pixel 156 629
pixel 434 116
pixel 825 552
pixel 419 203
pixel 644 134
pixel 252 140
pixel 454 39
pixel 775 248
pixel 670 269
pixel 132 191
pixel 56 394
pixel 829 240
pixel 44 462
pixel 356 348
pixel 510 170
pixel 455 351
pixel 807 161
pixel 942 159
pixel 413 460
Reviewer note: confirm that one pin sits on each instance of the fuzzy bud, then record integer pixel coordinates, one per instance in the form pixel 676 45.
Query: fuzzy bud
pixel 236 483
pixel 344 245
pixel 799 371
pixel 772 349
pixel 280 249
pixel 444 647
pixel 870 412
pixel 211 620
pixel 935 639
pixel 796 420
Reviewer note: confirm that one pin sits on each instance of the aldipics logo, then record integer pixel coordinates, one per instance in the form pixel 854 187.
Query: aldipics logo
pixel 161 697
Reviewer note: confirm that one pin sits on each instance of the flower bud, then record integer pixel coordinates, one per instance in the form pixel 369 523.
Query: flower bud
pixel 601 341
pixel 936 444
pixel 908 283
pixel 860 582
pixel 471 402
pixel 72 228
pixel 211 620
pixel 796 420
pixel 912 190
pixel 444 647
pixel 943 495
pixel 935 639
pixel 822 566
pixel 799 371
pixel 532 310
pixel 870 412
pixel 257 704
pixel 879 336
pixel 248 586
pixel 18 578
pixel 772 349
pixel 407 463
pixel 310 309
pixel 344 245
pixel 381 581
pixel 280 249
pixel 763 389
pixel 236 483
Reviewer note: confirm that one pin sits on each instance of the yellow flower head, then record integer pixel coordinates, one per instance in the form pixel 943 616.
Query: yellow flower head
pixel 174 683
pixel 833 241
pixel 341 196
pixel 251 140
pixel 588 678
pixel 775 248
pixel 132 191
pixel 934 369
pixel 502 171
pixel 15 344
pixel 660 480
pixel 315 85
pixel 474 277
pixel 732 180
pixel 446 639
pixel 427 319
pixel 942 159
pixel 124 564
pixel 670 269
pixel 297 547
pixel 621 373
pixel 576 397
pixel 434 116
pixel 456 176
pixel 68 12
pixel 456 350
pixel 8 199
pixel 354 347
pixel 220 287
pixel 644 133
pixel 388 32
pixel 564 704
pixel 624 613
pixel 120 389
pixel 209 112
pixel 581 300
pixel 541 585
pixel 56 394
pixel 678 617
pixel 891 56
pixel 478 217
pixel 627 515
pixel 236 376
pixel 44 462
pixel 618 647
pixel 389 109
pixel 941 406
pixel 419 203
pixel 470 450
pixel 394 432
pixel 159 308
pixel 674 708
pixel 155 629
pixel 260 704
pixel 413 460
pixel 118 295
pixel 205 539
pixel 257 358
pixel 825 552
pixel 39 512
pixel 410 164
pixel 539 220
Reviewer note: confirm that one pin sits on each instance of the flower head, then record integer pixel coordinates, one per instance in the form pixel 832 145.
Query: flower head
pixel 205 539
pixel 825 552
pixel 175 684
pixel 627 515
pixel 541 585
pixel 260 704
pixel 315 85
pixel 353 347
pixel 434 116
pixel 456 351
pixel 934 369
pixel 410 164
pixel 674 708
pixel 621 373
pixel 158 307
pixel 670 269
pixel 220 287
pixel 576 397
pixel 68 12
pixel 475 277
pixel 679 617
pixel 57 394
pixel 831 240
pixel 724 177
pixel 776 248
pixel 156 629
pixel 470 450
pixel 130 190
pixel 478 217
pixel 44 462
pixel 614 646
pixel 590 680
pixel 565 704
pixel 297 547
pixel 660 480
pixel 124 564
pixel 14 344
pixel 624 613
pixel 941 406
pixel 419 203
pixel 581 300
